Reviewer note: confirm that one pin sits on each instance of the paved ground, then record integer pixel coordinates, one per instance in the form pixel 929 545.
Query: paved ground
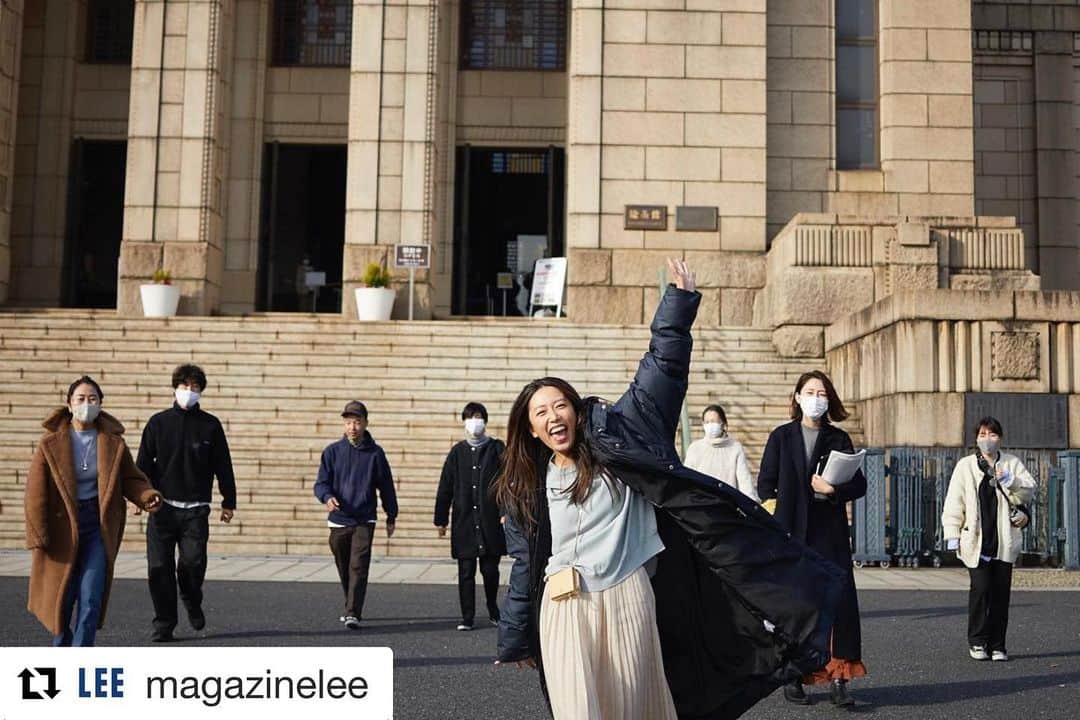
pixel 444 572
pixel 913 645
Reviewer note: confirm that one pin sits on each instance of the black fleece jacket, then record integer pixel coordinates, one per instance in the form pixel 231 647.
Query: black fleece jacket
pixel 181 452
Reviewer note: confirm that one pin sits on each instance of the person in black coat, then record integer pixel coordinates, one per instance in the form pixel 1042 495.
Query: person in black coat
pixel 816 513
pixel 740 606
pixel 476 533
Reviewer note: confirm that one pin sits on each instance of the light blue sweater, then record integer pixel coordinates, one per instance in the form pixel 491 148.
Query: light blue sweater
pixel 617 534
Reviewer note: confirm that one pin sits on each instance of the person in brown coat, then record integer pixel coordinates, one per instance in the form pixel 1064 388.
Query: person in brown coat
pixel 79 477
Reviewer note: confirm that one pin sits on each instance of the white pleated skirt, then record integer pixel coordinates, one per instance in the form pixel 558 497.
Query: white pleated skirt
pixel 601 653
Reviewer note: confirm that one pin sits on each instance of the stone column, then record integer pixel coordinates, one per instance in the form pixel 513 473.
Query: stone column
pixel 11 22
pixel 390 196
pixel 177 150
pixel 1056 181
pixel 927 147
pixel 665 107
pixel 42 160
pixel 244 186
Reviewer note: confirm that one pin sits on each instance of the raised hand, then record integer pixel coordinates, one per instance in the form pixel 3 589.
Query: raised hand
pixel 685 279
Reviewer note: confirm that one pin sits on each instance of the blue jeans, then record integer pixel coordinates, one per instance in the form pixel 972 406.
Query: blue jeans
pixel 87 582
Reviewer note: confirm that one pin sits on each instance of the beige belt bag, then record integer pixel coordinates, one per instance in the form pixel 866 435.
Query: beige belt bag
pixel 564 584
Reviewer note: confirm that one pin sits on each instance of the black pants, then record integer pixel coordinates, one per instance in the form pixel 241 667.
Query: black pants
pixel 988 604
pixel 351 547
pixel 489 569
pixel 167 530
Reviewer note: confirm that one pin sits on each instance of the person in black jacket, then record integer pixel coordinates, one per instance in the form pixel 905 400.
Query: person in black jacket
pixel 350 472
pixel 182 450
pixel 739 606
pixel 477 533
pixel 815 512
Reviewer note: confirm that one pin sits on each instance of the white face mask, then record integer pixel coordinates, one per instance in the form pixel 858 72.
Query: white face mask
pixel 714 430
pixel 813 407
pixel 988 446
pixel 186 398
pixel 85 412
pixel 475 426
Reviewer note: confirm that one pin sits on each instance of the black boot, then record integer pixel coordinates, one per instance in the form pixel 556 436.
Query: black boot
pixel 839 695
pixel 794 693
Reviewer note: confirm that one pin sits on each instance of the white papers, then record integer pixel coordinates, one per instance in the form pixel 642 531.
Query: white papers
pixel 841 467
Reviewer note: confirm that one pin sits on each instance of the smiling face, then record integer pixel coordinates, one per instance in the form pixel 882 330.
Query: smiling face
pixel 553 421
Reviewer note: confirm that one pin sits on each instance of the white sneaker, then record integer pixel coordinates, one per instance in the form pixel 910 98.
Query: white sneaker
pixel 999 656
pixel 978 652
pixel 463 627
pixel 352 623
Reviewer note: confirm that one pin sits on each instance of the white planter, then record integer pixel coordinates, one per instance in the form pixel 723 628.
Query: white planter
pixel 374 303
pixel 159 300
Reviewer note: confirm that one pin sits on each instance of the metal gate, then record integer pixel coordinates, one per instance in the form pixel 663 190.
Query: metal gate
pixel 911 483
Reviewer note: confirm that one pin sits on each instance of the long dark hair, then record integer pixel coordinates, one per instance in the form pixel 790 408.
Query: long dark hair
pixel 518 478
pixel 836 413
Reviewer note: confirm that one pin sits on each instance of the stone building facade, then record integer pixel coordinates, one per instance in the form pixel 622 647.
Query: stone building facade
pixel 831 152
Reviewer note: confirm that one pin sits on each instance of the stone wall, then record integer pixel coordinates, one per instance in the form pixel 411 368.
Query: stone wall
pixel 908 359
pixel 666 107
pixel 823 267
pixel 1039 37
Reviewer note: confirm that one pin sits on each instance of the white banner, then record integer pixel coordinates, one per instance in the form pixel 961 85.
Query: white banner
pixel 176 683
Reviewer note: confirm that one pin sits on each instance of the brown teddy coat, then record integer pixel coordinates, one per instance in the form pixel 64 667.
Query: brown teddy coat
pixel 52 510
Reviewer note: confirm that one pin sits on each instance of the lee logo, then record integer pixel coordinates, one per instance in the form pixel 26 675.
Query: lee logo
pixel 102 683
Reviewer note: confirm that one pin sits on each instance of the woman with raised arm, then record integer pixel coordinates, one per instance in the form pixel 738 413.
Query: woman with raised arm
pixel 640 588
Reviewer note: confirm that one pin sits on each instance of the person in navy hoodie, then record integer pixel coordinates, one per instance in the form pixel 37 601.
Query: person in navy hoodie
pixel 351 471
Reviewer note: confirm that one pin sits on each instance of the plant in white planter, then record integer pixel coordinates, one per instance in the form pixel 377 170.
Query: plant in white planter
pixel 159 297
pixel 375 301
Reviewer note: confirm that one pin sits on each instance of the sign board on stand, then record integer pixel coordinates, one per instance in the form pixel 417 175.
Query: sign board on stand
pixel 412 257
pixel 549 284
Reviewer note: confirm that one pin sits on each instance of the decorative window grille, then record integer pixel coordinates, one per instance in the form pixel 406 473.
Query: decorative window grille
pixel 513 35
pixel 314 33
pixel 110 26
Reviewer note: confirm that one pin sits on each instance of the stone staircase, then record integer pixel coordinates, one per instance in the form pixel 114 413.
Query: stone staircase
pixel 278 383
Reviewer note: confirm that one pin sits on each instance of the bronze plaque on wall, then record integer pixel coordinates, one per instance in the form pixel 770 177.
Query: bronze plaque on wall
pixel 702 219
pixel 645 217
pixel 1030 420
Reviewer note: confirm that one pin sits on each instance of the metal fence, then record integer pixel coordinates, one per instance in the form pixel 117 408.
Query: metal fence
pixel 899 520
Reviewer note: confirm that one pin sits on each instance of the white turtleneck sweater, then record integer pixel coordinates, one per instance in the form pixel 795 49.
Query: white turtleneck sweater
pixel 725 460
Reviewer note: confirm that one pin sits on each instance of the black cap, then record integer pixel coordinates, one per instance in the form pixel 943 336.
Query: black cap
pixel 355 408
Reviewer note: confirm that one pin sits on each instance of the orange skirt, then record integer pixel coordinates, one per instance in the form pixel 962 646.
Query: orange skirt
pixel 837 669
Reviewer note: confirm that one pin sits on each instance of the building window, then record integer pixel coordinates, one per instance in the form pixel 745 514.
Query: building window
pixel 315 33
pixel 110 26
pixel 856 84
pixel 513 35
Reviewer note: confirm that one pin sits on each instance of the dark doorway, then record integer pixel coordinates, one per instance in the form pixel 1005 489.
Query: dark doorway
pixel 303 227
pixel 95 223
pixel 508 208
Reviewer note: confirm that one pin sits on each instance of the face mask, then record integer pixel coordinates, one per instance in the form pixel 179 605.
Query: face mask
pixel 714 430
pixel 475 426
pixel 813 407
pixel 186 398
pixel 86 413
pixel 988 446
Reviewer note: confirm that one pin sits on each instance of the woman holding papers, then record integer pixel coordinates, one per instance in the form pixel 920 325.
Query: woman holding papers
pixel 815 511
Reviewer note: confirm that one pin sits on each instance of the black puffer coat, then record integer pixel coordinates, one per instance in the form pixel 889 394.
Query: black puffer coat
pixel 727 567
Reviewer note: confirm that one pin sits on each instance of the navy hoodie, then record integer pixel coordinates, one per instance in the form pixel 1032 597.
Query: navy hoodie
pixel 352 475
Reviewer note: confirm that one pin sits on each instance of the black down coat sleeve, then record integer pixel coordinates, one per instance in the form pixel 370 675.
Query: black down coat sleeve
pixel 742 607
